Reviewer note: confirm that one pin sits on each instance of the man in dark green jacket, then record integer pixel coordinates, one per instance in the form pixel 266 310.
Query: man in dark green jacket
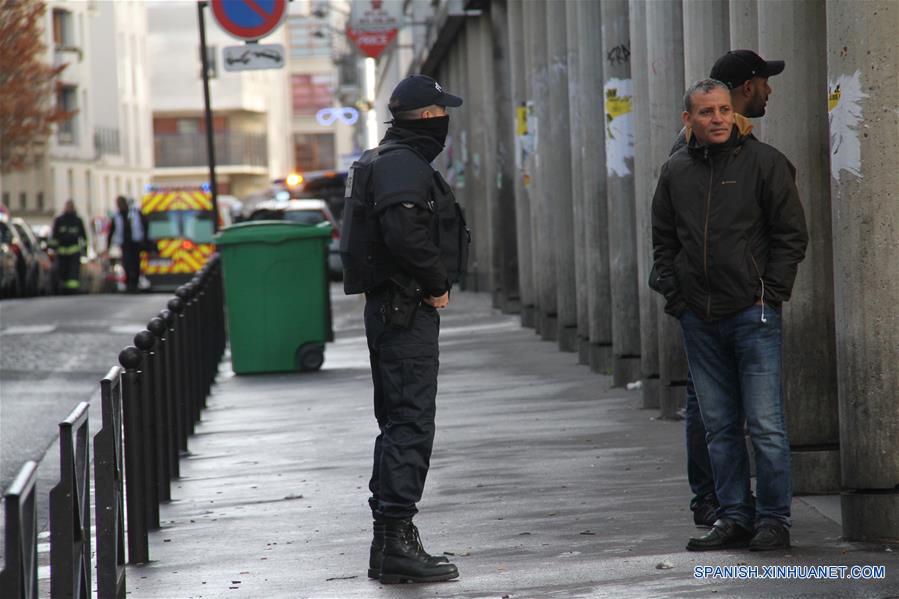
pixel 728 235
pixel 68 240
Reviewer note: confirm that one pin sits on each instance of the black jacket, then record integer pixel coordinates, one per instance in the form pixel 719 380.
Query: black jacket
pixel 403 193
pixel 727 227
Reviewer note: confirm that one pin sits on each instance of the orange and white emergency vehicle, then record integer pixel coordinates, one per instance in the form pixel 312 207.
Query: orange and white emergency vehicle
pixel 179 234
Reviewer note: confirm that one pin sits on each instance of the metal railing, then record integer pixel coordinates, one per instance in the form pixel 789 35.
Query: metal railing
pixel 19 576
pixel 70 510
pixel 150 406
pixel 106 141
pixel 231 149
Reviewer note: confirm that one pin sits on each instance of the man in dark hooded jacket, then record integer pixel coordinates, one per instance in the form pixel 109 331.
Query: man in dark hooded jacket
pixel 412 278
pixel 728 235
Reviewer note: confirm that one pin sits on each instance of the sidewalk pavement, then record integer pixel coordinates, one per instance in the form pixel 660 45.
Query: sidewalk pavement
pixel 544 483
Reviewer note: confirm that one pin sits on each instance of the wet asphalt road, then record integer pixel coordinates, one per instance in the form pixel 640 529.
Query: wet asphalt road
pixel 53 352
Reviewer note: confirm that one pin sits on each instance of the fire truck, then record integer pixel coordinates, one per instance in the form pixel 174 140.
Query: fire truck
pixel 179 234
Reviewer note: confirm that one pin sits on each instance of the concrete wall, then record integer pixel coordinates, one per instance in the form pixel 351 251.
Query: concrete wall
pixel 547 70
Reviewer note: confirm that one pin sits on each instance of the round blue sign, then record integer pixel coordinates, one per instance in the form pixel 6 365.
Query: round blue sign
pixel 249 20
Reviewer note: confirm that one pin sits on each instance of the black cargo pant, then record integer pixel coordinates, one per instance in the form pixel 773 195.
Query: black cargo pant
pixel 404 364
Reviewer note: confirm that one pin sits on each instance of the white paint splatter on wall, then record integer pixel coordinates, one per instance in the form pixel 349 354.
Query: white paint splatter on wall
pixel 844 98
pixel 619 126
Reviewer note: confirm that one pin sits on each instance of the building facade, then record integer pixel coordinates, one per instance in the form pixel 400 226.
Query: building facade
pixel 250 108
pixel 104 149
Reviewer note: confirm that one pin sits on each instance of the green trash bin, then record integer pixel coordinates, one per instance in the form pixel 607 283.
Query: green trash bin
pixel 276 292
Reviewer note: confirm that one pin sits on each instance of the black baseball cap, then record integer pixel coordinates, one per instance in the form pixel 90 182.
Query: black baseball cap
pixel 418 91
pixel 738 66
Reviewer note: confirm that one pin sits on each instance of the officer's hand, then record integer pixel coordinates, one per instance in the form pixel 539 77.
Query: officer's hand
pixel 438 302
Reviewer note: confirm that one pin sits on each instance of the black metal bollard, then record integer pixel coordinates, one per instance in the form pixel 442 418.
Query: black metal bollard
pixel 174 429
pixel 135 475
pixel 146 342
pixel 176 306
pixel 109 496
pixel 18 580
pixel 159 329
pixel 186 294
pixel 70 511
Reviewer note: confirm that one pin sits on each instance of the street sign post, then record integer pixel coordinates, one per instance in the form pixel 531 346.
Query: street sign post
pixel 253 57
pixel 249 20
pixel 373 25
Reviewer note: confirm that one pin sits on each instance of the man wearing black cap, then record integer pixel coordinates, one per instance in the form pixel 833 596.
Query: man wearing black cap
pixel 405 243
pixel 746 74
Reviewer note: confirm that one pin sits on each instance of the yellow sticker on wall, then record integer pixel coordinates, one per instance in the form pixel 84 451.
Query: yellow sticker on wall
pixel 616 105
pixel 833 98
pixel 521 120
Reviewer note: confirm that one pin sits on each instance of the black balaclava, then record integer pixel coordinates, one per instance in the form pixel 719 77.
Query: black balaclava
pixel 427 136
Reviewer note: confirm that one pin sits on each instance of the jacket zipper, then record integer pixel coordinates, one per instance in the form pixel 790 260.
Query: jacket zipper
pixel 705 256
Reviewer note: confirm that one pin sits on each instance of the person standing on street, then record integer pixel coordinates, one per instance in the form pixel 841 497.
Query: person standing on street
pixel 404 243
pixel 728 234
pixel 68 239
pixel 127 231
pixel 746 74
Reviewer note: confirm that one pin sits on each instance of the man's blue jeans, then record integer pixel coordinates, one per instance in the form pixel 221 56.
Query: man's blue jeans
pixel 736 367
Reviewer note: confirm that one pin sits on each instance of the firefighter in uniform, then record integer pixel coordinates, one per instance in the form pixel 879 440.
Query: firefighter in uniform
pixel 404 244
pixel 68 239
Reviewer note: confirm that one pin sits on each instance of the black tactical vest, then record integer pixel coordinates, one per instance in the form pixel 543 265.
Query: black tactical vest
pixel 367 262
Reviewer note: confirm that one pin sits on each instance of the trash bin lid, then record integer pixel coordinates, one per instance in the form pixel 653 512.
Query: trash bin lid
pixel 270 231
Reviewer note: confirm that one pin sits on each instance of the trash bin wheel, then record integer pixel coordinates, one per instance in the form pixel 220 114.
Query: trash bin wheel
pixel 310 356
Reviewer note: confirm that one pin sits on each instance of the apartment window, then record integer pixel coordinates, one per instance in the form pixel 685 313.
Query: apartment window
pixel 309 37
pixel 23 200
pixel 67 100
pixel 40 201
pixel 62 29
pixel 6 199
pixel 187 125
pixel 314 152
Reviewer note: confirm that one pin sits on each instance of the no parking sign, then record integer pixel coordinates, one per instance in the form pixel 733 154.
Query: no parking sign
pixel 249 20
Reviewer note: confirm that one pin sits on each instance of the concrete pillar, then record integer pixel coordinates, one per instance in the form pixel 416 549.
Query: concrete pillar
pixel 479 150
pixel 744 28
pixel 577 118
pixel 619 119
pixel 542 216
pixel 797 33
pixel 744 34
pixel 593 157
pixel 505 252
pixel 706 37
pixel 643 190
pixel 518 80
pixel 665 48
pixel 558 159
pixel 863 79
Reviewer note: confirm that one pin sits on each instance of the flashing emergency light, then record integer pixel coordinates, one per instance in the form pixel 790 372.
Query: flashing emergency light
pixel 294 179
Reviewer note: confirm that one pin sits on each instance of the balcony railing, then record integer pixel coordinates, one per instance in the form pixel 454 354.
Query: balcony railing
pixel 231 149
pixel 106 141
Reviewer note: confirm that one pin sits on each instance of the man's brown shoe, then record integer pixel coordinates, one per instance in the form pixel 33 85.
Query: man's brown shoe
pixel 725 534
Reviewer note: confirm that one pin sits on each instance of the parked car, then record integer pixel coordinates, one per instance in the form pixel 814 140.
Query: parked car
pixel 40 265
pixel 316 185
pixel 309 212
pixel 9 276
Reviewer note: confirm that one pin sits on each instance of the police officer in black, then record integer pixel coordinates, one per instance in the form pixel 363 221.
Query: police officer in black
pixel 405 242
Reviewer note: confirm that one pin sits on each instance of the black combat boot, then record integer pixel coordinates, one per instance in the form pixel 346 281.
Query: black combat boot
pixel 377 548
pixel 405 560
